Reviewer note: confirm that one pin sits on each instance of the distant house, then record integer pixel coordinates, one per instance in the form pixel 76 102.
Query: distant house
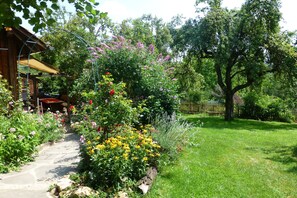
pixel 16 46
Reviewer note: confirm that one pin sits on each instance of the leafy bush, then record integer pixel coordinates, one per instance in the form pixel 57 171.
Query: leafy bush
pixel 113 152
pixel 21 132
pixel 172 134
pixel 18 140
pixel 5 96
pixel 116 159
pixel 50 126
pixel 264 107
pixel 147 75
pixel 108 106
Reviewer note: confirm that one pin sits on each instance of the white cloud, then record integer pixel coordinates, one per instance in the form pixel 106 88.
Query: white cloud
pixel 117 10
pixel 165 9
pixel 288 10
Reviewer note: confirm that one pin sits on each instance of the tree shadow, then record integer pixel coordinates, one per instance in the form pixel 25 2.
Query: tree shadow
pixel 61 171
pixel 72 137
pixel 284 154
pixel 237 124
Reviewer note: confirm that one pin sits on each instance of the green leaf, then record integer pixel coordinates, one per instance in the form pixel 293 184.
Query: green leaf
pixel 49 11
pixel 26 13
pixel 89 7
pixel 103 15
pixel 43 5
pixel 55 6
pixel 51 21
pixel 80 14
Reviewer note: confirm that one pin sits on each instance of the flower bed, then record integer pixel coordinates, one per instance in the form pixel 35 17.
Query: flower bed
pixel 21 132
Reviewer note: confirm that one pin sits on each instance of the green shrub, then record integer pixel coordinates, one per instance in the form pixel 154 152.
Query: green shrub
pixel 18 140
pixel 108 107
pixel 264 107
pixel 119 159
pixel 114 154
pixel 50 127
pixel 172 134
pixel 5 96
pixel 21 132
pixel 147 75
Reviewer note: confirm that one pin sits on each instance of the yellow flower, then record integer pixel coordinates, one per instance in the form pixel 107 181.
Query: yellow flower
pixel 116 157
pixel 145 159
pixel 152 155
pixel 88 142
pixel 92 152
pixel 107 141
pixel 157 154
pixel 148 151
pixel 135 158
pixel 137 147
pixel 100 146
pixel 113 146
pixel 119 143
pixel 125 155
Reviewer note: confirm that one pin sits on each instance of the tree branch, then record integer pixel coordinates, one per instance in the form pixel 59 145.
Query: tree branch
pixel 239 87
pixel 219 75
pixel 238 72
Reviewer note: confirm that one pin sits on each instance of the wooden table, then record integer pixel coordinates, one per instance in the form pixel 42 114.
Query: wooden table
pixel 53 103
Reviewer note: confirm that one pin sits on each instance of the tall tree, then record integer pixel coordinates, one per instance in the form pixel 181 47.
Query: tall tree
pixel 147 30
pixel 35 11
pixel 244 44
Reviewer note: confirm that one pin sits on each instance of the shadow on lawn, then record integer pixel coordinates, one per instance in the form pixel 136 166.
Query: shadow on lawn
pixel 220 123
pixel 286 155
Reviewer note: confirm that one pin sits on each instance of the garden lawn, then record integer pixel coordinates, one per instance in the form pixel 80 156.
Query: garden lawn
pixel 242 158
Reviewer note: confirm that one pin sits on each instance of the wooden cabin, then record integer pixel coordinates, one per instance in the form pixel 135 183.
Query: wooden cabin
pixel 16 44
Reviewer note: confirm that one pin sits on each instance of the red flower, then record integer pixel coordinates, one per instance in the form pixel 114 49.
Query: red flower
pixel 91 102
pixel 111 92
pixel 99 129
pixel 107 73
pixel 71 107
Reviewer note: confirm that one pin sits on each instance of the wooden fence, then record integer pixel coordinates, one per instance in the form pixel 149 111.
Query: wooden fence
pixel 208 108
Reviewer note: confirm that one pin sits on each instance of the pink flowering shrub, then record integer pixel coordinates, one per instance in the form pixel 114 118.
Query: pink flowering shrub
pixel 148 76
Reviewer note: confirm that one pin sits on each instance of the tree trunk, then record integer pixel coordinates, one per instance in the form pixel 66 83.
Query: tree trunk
pixel 229 105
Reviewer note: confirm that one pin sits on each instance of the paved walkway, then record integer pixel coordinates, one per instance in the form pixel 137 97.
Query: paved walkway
pixel 33 180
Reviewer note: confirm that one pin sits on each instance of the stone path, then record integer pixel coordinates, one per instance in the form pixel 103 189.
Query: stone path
pixel 33 180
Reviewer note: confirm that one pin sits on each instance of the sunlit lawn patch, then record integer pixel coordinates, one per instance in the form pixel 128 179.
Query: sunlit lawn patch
pixel 243 158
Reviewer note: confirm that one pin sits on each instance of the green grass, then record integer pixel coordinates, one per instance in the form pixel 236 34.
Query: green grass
pixel 243 158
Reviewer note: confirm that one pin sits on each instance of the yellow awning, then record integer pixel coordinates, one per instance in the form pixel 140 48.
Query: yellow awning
pixel 38 65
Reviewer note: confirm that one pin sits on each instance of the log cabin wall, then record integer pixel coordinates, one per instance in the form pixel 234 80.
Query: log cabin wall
pixel 12 63
pixel 8 59
pixel 4 55
pixel 13 42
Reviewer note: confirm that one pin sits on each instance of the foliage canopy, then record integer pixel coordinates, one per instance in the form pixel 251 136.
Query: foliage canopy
pixel 39 12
